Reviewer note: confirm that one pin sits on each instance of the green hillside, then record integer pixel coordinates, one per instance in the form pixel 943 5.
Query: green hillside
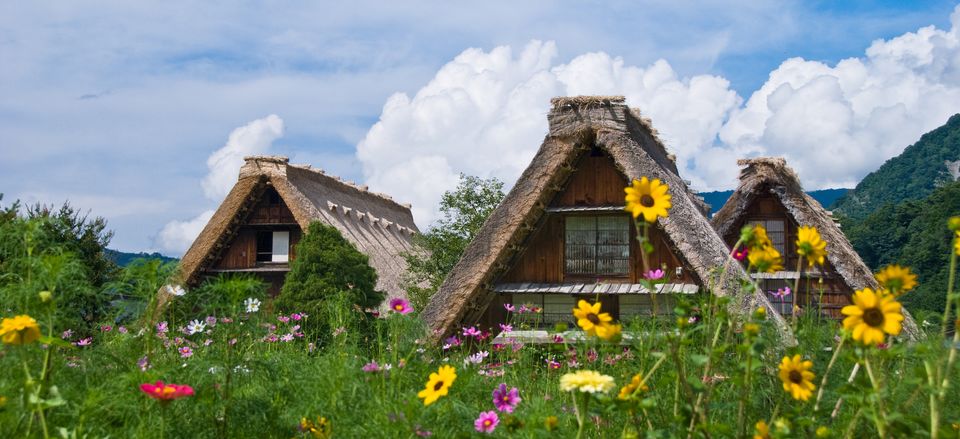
pixel 913 233
pixel 123 258
pixel 914 174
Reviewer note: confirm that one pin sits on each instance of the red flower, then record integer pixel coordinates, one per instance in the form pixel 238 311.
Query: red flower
pixel 166 392
pixel 740 254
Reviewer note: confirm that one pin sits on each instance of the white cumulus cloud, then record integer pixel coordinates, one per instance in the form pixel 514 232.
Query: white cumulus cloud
pixel 483 113
pixel 224 164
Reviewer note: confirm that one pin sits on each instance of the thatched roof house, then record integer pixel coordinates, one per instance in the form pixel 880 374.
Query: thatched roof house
pixel 256 228
pixel 569 197
pixel 770 193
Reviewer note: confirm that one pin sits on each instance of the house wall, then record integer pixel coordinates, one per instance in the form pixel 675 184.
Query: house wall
pixel 832 292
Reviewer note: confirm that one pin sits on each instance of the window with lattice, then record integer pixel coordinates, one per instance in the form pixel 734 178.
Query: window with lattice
pixel 597 245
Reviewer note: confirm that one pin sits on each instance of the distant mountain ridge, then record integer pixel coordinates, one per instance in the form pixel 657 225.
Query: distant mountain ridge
pixel 932 162
pixel 123 258
pixel 825 197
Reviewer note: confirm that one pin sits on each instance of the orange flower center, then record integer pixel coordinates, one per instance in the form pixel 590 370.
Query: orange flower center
pixel 487 423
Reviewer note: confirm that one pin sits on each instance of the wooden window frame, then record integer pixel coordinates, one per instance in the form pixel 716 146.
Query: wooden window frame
pixel 595 275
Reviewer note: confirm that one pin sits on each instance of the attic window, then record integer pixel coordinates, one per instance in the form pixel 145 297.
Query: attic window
pixel 596 151
pixel 273 198
pixel 597 245
pixel 776 231
pixel 273 246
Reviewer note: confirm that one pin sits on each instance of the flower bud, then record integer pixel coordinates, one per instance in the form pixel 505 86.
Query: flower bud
pixel 45 296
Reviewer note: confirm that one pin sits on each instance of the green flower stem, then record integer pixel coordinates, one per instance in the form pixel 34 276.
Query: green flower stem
pixel 706 372
pixel 823 381
pixel 745 394
pixel 950 281
pixel 952 356
pixel 881 413
pixel 853 424
pixel 934 408
pixel 796 293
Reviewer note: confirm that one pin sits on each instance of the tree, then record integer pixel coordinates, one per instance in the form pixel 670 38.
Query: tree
pixel 464 211
pixel 327 266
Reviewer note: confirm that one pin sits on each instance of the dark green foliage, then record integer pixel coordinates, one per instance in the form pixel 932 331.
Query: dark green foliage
pixel 912 175
pixel 912 233
pixel 61 251
pixel 464 210
pixel 327 265
pixel 136 286
pixel 825 197
pixel 222 295
pixel 123 258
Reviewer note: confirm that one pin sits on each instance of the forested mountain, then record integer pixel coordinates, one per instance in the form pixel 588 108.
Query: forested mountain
pixel 123 258
pixel 922 167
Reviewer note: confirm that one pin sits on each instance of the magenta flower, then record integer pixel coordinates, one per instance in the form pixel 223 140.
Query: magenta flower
pixel 84 342
pixel 67 335
pixel 371 367
pixel 162 327
pixel 286 337
pixel 400 306
pixel 509 307
pixel 487 422
pixel 654 274
pixel 472 332
pixel 185 352
pixel 506 400
pixel 106 328
pixel 781 292
pixel 122 330
pixel 506 328
pixel 740 254
pixel 284 319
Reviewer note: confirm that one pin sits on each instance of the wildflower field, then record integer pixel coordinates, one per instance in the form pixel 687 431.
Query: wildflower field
pixel 222 361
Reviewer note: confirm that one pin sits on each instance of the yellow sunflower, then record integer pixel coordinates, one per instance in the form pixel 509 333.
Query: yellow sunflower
pixel 797 378
pixel 319 430
pixel 631 388
pixel 587 381
pixel 896 279
pixel 765 259
pixel 609 331
pixel 762 430
pixel 956 243
pixel 590 319
pixel 19 330
pixel 754 236
pixel 438 385
pixel 872 315
pixel 648 198
pixel 810 245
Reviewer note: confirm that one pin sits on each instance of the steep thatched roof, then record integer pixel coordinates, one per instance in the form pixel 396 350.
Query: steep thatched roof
pixel 374 223
pixel 772 175
pixel 576 125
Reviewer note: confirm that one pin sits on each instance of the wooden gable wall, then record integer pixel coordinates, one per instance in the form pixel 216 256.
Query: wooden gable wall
pixel 266 215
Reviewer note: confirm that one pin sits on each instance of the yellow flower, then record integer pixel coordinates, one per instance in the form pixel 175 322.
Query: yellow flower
pixel 551 423
pixel 438 385
pixel 319 430
pixel 587 381
pixel 810 245
pixel 648 198
pixel 3 401
pixel 872 315
pixel 956 243
pixel 765 259
pixel 590 319
pixel 896 279
pixel 763 430
pixel 797 378
pixel 954 223
pixel 610 331
pixel 631 388
pixel 823 431
pixel 19 330
pixel 755 237
pixel 761 313
pixel 751 329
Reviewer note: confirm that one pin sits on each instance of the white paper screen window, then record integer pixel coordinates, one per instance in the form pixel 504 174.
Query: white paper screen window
pixel 281 247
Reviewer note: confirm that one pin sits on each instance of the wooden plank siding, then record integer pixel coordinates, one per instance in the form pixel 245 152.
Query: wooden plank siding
pixel 595 182
pixel 829 288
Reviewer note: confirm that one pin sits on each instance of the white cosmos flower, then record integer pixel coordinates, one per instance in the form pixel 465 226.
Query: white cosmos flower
pixel 196 326
pixel 253 305
pixel 175 290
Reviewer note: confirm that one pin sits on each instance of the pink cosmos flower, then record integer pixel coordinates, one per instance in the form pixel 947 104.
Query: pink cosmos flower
pixel 506 400
pixel 84 342
pixel 781 292
pixel 161 328
pixel 472 332
pixel 557 338
pixel 371 367
pixel 122 329
pixel 506 328
pixel 509 307
pixel 207 342
pixel 400 306
pixel 740 254
pixel 487 422
pixel 296 316
pixel 286 337
pixel 106 328
pixel 166 392
pixel 523 309
pixel 211 321
pixel 283 319
pixel 653 274
pixel 67 334
pixel 185 352
pixel 551 364
pixel 143 363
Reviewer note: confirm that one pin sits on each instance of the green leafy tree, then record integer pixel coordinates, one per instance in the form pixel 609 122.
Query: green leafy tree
pixel 327 266
pixel 464 211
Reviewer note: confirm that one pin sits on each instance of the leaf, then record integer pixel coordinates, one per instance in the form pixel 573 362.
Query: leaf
pixel 699 359
pixel 54 341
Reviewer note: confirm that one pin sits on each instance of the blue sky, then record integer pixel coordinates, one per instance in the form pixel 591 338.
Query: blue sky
pixel 117 106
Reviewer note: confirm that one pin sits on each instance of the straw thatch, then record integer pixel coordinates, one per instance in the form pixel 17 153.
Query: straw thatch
pixel 576 125
pixel 771 175
pixel 378 226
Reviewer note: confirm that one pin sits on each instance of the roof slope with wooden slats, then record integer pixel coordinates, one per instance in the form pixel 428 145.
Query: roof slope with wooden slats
pixel 378 226
pixel 576 125
pixel 772 175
